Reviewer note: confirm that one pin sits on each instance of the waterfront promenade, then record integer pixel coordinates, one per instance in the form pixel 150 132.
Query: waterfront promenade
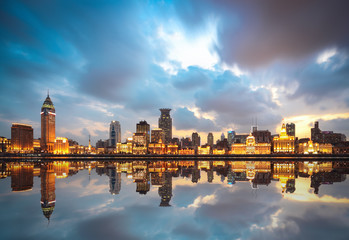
pixel 167 157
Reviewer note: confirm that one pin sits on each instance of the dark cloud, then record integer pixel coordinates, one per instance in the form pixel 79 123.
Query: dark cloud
pixel 184 119
pixel 234 101
pixel 326 80
pixel 264 32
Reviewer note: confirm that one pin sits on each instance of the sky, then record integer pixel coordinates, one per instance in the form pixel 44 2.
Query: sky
pixel 219 65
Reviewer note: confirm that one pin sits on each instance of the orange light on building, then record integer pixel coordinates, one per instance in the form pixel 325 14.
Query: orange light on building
pixel 204 150
pixel 61 146
pixel 284 143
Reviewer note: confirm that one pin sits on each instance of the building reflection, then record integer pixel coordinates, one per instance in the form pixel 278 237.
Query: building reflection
pixel 48 195
pixel 22 175
pixel 159 174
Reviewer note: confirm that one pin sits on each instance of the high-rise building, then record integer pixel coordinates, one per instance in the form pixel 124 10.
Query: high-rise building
pixel 143 127
pixel 21 138
pixel 165 123
pixel 210 139
pixel 114 181
pixel 222 137
pixel 156 135
pixel 231 135
pixel 48 125
pixel 319 136
pixel 114 133
pixel 196 139
pixel 291 129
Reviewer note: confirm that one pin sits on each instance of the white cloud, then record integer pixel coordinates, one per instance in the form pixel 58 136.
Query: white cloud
pixel 325 56
pixel 208 199
pixel 188 49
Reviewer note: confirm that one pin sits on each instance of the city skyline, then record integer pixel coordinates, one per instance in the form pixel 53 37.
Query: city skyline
pixel 213 64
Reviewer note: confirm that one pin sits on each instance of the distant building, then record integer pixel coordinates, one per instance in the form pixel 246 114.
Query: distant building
pixel 326 136
pixel 240 138
pixel 291 129
pixel 144 127
pixel 231 135
pixel 261 136
pixel 157 134
pixel 196 139
pixel 186 143
pixel 114 133
pixel 21 138
pixel 284 143
pixel 210 139
pixel 5 144
pixel 222 137
pixel 204 150
pixel 48 125
pixel 140 143
pixel 165 123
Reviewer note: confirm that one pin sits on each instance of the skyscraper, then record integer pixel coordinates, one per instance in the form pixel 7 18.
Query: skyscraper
pixel 157 134
pixel 143 127
pixel 114 133
pixel 291 129
pixel 165 123
pixel 48 125
pixel 231 135
pixel 196 139
pixel 210 139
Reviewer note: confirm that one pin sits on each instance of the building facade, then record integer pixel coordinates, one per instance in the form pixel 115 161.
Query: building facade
pixel 144 127
pixel 48 125
pixel 210 139
pixel 284 143
pixel 165 123
pixel 157 134
pixel 21 138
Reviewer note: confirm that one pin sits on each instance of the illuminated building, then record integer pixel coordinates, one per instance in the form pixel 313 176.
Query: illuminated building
pixel 314 148
pixel 125 148
pixel 218 151
pixel 172 149
pixel 48 195
pixel 165 191
pixel 165 123
pixel 195 140
pixel 186 143
pixel 61 169
pixel 21 138
pixel 22 175
pixel 307 169
pixel 5 144
pixel 36 145
pixel 48 125
pixel 140 176
pixel 210 139
pixel 61 146
pixel 144 127
pixel 204 165
pixel 157 134
pixel 186 151
pixel 341 148
pixel 114 133
pixel 157 148
pixel 140 143
pixel 284 143
pixel 285 173
pixel 204 150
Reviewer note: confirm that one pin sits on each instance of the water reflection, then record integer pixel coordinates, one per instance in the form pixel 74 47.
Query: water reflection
pixel 147 175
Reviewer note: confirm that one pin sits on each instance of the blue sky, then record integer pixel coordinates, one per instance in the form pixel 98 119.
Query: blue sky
pixel 217 64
